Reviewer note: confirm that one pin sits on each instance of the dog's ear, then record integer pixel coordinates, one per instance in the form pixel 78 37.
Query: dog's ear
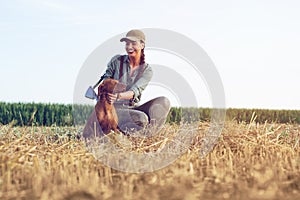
pixel 120 87
pixel 100 89
pixel 110 85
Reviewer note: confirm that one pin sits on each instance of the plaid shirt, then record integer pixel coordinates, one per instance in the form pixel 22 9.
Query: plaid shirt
pixel 137 86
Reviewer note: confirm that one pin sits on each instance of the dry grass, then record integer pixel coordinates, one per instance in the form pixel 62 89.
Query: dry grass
pixel 250 161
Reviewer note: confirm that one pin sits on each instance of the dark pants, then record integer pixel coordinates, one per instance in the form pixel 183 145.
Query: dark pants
pixel 150 115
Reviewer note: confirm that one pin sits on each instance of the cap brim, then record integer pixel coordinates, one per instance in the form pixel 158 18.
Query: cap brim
pixel 133 39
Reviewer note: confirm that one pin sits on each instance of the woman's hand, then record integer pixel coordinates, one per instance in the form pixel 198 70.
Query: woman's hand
pixel 111 98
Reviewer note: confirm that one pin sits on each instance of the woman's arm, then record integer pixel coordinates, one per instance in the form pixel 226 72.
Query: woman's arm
pixel 125 95
pixel 120 96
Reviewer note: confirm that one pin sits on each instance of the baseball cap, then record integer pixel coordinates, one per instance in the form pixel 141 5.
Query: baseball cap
pixel 134 35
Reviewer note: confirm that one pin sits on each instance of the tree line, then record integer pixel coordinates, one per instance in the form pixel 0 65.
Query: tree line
pixel 27 114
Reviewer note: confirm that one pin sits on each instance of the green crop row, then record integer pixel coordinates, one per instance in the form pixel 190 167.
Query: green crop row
pixel 25 114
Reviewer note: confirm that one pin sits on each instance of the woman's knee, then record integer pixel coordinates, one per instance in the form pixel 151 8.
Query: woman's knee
pixel 163 101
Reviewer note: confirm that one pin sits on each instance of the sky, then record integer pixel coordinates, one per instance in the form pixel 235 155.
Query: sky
pixel 254 46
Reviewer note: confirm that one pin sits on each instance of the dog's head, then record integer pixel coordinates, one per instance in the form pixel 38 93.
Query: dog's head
pixel 111 86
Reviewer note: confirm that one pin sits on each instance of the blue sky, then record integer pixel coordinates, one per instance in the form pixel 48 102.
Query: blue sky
pixel 255 44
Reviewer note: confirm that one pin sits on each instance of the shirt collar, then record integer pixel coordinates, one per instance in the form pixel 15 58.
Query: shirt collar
pixel 126 59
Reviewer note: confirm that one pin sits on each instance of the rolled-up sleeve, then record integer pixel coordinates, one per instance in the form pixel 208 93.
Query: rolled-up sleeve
pixel 141 83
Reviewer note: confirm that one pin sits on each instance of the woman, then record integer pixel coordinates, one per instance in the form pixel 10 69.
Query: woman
pixel 132 70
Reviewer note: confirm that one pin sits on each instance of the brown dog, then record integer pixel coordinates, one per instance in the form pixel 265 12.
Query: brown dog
pixel 105 112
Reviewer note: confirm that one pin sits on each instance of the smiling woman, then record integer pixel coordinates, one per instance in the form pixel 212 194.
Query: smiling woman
pixel 135 73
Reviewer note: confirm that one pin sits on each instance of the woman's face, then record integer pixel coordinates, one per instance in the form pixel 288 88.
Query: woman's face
pixel 134 48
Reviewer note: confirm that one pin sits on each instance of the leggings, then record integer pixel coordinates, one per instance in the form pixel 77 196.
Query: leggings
pixel 150 115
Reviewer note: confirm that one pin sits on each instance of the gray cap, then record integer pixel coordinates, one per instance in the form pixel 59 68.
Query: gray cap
pixel 134 35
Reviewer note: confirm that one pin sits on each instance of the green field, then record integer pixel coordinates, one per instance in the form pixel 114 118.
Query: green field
pixel 38 114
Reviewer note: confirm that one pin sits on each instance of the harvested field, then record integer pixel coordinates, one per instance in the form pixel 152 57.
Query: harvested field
pixel 250 161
